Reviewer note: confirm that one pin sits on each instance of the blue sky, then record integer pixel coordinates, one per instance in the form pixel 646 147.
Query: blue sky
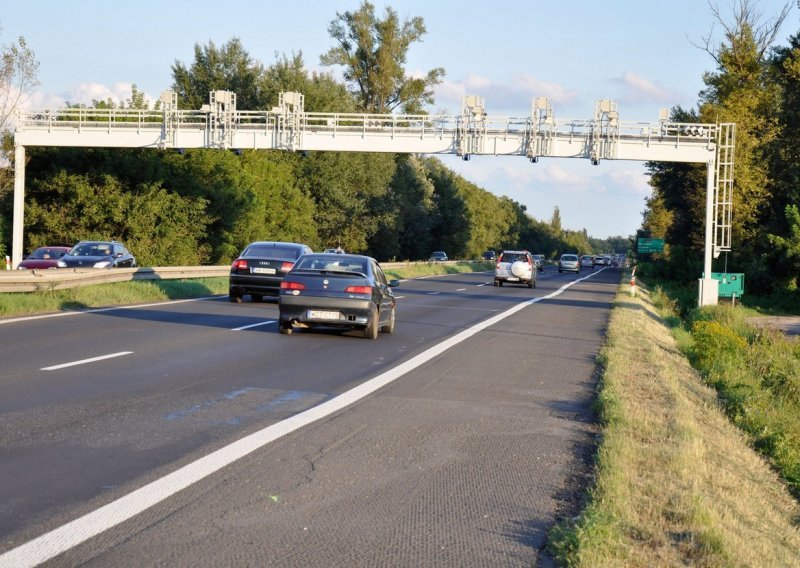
pixel 637 52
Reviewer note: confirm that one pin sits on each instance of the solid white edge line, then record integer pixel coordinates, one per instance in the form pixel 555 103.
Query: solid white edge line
pixel 83 361
pixel 253 325
pixel 70 535
pixel 97 310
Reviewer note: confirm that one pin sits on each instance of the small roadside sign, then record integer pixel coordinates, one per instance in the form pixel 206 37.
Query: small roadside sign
pixel 645 246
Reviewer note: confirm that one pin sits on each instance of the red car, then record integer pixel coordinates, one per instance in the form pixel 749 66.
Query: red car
pixel 43 257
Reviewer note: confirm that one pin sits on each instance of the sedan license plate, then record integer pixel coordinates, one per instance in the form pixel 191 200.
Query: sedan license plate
pixel 257 270
pixel 323 315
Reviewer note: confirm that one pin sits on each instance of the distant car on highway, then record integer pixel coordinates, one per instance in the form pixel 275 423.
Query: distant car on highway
pixel 538 260
pixel 599 261
pixel 515 267
pixel 337 250
pixel 489 255
pixel 342 291
pixel 98 254
pixel 587 261
pixel 437 256
pixel 43 257
pixel 260 269
pixel 569 263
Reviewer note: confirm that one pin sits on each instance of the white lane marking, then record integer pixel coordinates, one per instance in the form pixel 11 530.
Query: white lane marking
pixel 433 293
pixel 253 325
pixel 399 297
pixel 83 361
pixel 70 535
pixel 484 284
pixel 97 310
pixel 460 289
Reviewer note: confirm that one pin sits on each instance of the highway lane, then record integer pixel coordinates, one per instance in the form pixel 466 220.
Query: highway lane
pixel 79 436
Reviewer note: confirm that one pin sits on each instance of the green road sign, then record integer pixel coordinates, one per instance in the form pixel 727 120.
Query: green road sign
pixel 730 284
pixel 644 246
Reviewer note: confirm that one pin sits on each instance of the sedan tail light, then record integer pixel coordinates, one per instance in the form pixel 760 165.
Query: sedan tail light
pixel 292 285
pixel 239 264
pixel 286 266
pixel 358 289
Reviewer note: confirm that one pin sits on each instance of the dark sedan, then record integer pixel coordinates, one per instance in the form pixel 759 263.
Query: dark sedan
pixel 43 257
pixel 98 254
pixel 260 269
pixel 344 291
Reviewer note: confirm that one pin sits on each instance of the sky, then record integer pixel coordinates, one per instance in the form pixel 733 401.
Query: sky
pixel 643 54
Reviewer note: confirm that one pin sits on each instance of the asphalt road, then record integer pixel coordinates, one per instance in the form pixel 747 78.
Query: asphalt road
pixel 464 456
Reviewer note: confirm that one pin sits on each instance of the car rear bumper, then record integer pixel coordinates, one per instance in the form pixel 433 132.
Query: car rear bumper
pixel 302 308
pixel 247 284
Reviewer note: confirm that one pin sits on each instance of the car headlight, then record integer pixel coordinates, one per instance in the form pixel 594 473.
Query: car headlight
pixel 102 264
pixel 61 264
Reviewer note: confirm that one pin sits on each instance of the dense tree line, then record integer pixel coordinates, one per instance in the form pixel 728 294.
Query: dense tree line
pixel 757 86
pixel 204 206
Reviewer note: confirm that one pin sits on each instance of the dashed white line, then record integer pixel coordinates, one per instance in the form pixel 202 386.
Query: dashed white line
pixel 83 361
pixel 253 325
pixel 461 290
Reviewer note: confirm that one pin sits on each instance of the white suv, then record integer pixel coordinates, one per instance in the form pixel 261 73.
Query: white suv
pixel 515 266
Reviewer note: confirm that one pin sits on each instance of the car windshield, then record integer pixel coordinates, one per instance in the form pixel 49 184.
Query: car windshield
pixel 513 257
pixel 45 253
pixel 332 264
pixel 272 251
pixel 569 257
pixel 91 249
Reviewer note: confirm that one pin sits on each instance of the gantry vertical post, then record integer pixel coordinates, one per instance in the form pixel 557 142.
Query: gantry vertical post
pixel 709 288
pixel 19 206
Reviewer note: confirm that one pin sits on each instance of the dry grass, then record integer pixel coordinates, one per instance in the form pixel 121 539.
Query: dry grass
pixel 676 484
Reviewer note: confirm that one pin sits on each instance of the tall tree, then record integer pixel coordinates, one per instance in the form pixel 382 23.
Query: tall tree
pixel 740 91
pixel 373 53
pixel 228 68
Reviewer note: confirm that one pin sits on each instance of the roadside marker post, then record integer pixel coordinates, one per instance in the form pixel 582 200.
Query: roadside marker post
pixel 633 282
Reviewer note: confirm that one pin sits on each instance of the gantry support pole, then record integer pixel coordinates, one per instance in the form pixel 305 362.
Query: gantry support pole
pixel 19 206
pixel 708 287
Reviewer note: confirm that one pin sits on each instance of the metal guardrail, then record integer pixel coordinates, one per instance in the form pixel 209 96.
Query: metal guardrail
pixel 63 278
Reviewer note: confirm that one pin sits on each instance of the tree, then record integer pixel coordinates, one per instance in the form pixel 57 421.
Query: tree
pixel 741 91
pixel 373 52
pixel 555 221
pixel 322 93
pixel 228 68
pixel 18 75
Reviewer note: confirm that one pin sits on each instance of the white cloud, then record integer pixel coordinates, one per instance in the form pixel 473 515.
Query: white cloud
pixel 639 90
pixel 514 97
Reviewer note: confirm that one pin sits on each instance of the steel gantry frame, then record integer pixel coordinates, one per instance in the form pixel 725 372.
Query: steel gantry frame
pixel 287 126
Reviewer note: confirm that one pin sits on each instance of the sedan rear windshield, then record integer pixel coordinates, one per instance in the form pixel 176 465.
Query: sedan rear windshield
pixel 269 251
pixel 332 265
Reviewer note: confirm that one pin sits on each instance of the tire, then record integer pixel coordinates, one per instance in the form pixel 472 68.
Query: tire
pixel 500 283
pixel 532 284
pixel 560 271
pixel 285 329
pixel 496 283
pixel 389 327
pixel 371 330
pixel 234 298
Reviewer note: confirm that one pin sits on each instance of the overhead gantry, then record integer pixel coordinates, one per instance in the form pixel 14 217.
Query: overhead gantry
pixel 287 126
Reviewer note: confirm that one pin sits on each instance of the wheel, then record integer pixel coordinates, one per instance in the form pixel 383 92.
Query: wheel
pixel 500 283
pixel 371 330
pixel 285 327
pixel 496 283
pixel 560 270
pixel 531 284
pixel 234 298
pixel 389 327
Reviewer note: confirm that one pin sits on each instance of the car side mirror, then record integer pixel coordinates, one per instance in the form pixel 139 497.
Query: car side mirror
pixel 394 283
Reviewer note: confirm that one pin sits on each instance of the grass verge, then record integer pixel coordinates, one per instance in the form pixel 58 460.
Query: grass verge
pixel 144 291
pixel 676 483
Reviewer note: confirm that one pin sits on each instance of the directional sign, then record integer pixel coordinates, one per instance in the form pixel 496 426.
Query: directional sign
pixel 645 246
